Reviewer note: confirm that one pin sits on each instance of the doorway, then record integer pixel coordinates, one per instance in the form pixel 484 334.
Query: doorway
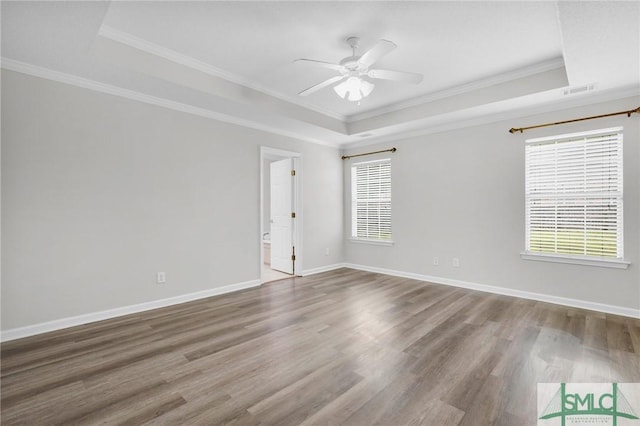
pixel 280 214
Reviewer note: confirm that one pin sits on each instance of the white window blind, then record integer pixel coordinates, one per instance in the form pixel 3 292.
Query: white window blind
pixel 371 200
pixel 574 194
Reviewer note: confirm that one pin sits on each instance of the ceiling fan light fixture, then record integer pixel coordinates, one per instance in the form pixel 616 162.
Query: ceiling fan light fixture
pixel 341 89
pixel 366 88
pixel 354 96
pixel 354 89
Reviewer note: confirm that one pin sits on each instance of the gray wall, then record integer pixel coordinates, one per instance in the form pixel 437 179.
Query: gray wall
pixel 100 192
pixel 461 194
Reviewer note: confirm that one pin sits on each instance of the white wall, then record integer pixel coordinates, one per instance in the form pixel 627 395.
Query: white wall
pixel 266 196
pixel 100 192
pixel 461 194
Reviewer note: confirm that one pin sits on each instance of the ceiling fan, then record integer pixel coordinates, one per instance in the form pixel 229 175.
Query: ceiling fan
pixel 356 72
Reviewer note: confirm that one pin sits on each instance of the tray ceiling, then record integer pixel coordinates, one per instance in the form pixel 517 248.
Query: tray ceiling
pixel 234 60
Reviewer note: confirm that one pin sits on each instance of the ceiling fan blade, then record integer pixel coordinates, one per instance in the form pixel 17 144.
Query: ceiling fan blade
pixel 322 85
pixel 329 65
pixel 372 55
pixel 409 77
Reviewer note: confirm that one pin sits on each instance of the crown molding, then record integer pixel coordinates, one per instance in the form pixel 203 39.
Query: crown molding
pixel 461 89
pixel 574 101
pixel 560 104
pixel 74 80
pixel 188 61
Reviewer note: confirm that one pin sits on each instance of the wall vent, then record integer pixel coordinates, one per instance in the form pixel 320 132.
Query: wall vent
pixel 574 90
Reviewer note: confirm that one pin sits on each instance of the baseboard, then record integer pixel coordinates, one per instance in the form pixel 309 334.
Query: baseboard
pixel 575 303
pixel 322 269
pixel 31 330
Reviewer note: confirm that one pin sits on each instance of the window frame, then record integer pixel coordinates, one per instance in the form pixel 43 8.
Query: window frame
pixel 354 202
pixel 583 259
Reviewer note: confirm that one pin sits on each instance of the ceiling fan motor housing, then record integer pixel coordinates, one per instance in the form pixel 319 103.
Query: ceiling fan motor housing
pixel 350 63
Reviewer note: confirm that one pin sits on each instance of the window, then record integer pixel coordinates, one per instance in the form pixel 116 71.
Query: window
pixel 573 191
pixel 371 200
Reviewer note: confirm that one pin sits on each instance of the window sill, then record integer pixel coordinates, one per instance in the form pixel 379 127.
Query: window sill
pixel 372 242
pixel 576 260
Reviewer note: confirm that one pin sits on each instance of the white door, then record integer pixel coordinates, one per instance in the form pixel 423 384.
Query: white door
pixel 281 220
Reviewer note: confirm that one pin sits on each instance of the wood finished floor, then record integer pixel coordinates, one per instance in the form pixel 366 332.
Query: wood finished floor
pixel 340 348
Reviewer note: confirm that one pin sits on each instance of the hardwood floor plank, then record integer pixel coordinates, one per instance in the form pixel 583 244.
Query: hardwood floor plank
pixel 305 397
pixel 135 408
pixel 341 408
pixel 383 402
pixel 487 408
pixel 43 407
pixel 433 412
pixel 196 409
pixel 340 348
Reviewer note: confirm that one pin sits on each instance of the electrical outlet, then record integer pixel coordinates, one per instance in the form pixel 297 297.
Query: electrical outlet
pixel 456 262
pixel 326 251
pixel 436 261
pixel 161 278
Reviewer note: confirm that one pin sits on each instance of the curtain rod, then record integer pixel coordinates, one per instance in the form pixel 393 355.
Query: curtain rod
pixel 346 157
pixel 628 113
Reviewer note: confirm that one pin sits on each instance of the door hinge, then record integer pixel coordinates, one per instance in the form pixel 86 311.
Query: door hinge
pixel 293 215
pixel 293 172
pixel 293 257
